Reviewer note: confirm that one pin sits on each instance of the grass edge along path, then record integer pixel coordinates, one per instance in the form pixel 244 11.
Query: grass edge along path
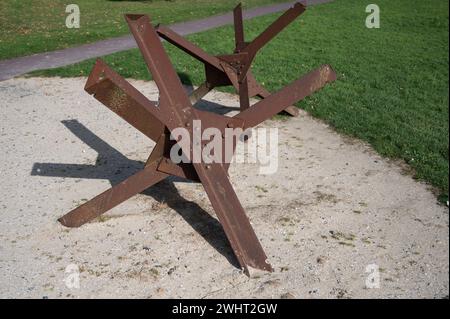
pixel 41 26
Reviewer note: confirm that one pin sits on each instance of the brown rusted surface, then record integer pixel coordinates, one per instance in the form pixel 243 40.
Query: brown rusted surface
pixel 113 196
pixel 111 90
pixel 188 47
pixel 256 89
pixel 200 92
pixel 175 109
pixel 234 69
pixel 276 27
pixel 238 29
pixel 236 225
pixel 288 95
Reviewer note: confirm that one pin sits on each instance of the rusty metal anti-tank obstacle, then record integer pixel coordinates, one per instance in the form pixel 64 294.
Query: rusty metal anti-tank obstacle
pixel 175 109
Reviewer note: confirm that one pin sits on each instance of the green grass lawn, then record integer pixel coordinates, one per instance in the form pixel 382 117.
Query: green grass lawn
pixel 392 88
pixel 32 26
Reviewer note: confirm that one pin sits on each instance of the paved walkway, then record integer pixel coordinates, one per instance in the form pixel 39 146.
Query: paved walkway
pixel 48 60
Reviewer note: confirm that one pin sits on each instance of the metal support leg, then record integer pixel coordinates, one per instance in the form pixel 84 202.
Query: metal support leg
pixel 113 196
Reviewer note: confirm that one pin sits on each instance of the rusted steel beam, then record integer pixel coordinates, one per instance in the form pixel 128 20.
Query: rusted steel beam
pixel 123 99
pixel 244 99
pixel 161 147
pixel 276 27
pixel 256 89
pixel 187 46
pixel 172 94
pixel 238 28
pixel 288 95
pixel 113 196
pixel 237 227
pixel 200 92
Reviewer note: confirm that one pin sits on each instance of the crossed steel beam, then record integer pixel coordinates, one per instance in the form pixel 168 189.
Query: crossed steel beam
pixel 174 110
pixel 234 69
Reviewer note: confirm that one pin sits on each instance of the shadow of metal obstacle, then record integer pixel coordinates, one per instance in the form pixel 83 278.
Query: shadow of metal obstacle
pixel 113 166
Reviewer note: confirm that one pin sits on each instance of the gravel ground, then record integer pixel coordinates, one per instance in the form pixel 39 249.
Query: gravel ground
pixel 334 214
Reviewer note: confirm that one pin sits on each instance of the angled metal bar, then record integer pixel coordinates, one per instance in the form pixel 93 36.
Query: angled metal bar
pixel 217 77
pixel 235 222
pixel 239 37
pixel 212 176
pixel 113 196
pixel 161 153
pixel 282 22
pixel 232 76
pixel 183 170
pixel 172 94
pixel 180 42
pixel 122 98
pixel 257 89
pixel 244 99
pixel 160 148
pixel 200 92
pixel 288 95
